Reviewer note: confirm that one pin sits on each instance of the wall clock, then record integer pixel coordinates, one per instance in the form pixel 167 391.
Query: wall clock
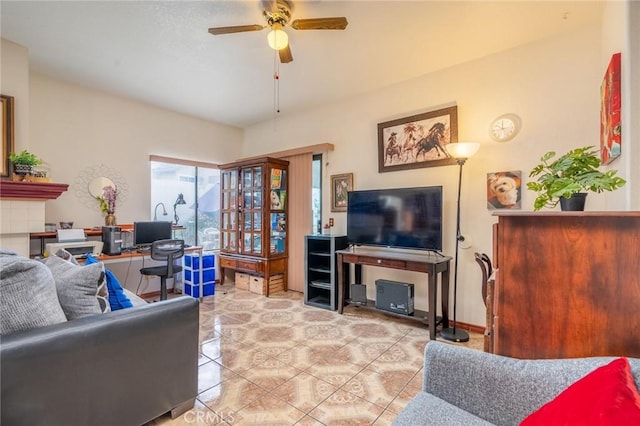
pixel 505 127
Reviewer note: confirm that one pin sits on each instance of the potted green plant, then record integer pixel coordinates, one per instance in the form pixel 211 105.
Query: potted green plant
pixel 575 172
pixel 24 162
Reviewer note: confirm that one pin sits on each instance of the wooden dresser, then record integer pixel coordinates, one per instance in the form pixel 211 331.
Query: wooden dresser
pixel 568 284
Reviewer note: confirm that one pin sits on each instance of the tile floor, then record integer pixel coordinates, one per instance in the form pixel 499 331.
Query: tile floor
pixel 277 361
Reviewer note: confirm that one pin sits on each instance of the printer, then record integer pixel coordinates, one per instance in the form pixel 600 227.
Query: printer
pixel 75 242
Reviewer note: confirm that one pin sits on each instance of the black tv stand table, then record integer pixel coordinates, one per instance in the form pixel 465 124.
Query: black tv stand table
pixel 429 263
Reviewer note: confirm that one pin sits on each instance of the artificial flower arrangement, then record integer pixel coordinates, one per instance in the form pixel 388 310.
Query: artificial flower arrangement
pixel 108 200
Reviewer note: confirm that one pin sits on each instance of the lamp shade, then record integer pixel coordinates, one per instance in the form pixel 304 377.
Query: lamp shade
pixel 277 38
pixel 462 149
pixel 180 200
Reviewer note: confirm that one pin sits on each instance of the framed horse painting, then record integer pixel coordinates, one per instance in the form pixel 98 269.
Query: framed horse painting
pixel 417 141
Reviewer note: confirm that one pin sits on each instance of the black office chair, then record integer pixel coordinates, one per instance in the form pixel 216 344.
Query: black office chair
pixel 169 251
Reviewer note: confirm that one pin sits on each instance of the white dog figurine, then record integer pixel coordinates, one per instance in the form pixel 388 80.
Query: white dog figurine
pixel 275 201
pixel 504 188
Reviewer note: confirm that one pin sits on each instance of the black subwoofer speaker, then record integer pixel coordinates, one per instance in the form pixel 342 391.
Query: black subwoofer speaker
pixel 359 294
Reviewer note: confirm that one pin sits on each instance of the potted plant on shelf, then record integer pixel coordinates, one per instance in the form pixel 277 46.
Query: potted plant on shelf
pixel 568 179
pixel 24 162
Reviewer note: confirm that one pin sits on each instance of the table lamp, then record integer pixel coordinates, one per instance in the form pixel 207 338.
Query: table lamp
pixel 179 201
pixel 155 211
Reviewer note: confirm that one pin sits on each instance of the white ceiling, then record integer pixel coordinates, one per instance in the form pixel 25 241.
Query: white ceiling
pixel 160 52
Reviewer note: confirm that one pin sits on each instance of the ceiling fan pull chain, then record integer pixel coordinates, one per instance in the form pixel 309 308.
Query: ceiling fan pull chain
pixel 276 83
pixel 278 93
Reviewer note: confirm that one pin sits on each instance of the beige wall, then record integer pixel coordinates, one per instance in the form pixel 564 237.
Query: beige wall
pixel 73 128
pixel 632 89
pixel 18 217
pixel 617 37
pixel 553 85
pixel 14 81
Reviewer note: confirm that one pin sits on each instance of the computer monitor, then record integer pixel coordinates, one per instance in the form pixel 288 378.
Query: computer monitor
pixel 145 233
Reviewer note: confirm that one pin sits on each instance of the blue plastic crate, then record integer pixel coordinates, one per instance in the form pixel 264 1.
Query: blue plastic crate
pixel 193 290
pixel 193 277
pixel 193 261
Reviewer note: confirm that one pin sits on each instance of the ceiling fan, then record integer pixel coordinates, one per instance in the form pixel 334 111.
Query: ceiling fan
pixel 277 13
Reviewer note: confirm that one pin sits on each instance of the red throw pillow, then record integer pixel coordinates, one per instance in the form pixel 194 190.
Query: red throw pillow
pixel 606 396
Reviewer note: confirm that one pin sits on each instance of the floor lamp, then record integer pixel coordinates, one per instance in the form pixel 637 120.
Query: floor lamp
pixel 460 151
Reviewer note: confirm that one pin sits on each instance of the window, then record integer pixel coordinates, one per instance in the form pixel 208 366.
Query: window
pixel 197 213
pixel 316 194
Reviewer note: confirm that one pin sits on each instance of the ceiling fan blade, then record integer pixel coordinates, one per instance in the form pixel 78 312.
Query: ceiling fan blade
pixel 236 29
pixel 337 23
pixel 285 55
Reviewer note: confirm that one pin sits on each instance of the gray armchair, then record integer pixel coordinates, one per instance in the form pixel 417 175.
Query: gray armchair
pixel 467 387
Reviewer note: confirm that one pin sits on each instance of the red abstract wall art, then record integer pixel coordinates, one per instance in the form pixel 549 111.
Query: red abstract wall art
pixel 610 125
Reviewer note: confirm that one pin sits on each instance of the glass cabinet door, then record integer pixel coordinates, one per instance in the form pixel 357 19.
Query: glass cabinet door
pixel 253 208
pixel 228 210
pixel 251 214
pixel 277 205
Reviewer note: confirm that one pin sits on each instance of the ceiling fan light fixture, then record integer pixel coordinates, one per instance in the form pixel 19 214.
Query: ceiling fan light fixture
pixel 277 38
pixel 277 14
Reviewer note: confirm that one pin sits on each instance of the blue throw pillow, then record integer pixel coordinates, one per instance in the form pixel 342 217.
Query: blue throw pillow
pixel 117 298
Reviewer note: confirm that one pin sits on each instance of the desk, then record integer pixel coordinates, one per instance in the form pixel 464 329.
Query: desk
pixel 96 231
pixel 431 264
pixel 127 256
pixel 42 236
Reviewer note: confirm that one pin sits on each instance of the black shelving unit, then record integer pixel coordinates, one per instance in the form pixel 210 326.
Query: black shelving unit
pixel 321 279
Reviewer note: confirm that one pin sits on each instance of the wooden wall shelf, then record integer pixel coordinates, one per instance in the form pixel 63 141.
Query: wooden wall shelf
pixel 31 190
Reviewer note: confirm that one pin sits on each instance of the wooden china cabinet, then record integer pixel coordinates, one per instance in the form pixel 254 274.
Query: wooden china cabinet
pixel 254 221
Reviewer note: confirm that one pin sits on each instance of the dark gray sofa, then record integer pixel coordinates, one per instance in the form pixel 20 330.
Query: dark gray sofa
pixel 466 387
pixel 125 367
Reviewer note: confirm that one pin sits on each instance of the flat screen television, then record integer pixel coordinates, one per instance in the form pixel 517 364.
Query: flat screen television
pixel 399 217
pixel 145 233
